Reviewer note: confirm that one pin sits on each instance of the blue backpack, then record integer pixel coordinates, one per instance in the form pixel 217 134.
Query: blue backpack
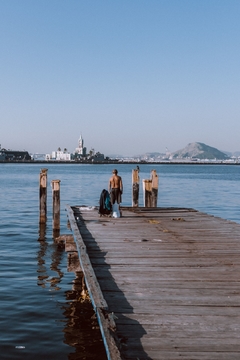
pixel 107 202
pixel 105 206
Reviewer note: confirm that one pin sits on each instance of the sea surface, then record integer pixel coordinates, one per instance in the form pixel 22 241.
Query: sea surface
pixel 42 313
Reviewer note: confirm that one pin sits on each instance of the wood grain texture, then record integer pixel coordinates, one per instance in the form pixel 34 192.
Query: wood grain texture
pixel 171 278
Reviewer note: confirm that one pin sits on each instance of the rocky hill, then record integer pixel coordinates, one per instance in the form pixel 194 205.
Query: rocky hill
pixel 192 151
pixel 199 151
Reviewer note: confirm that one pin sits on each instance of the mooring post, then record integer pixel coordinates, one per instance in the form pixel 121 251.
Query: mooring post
pixel 154 178
pixel 150 190
pixel 147 193
pixel 43 196
pixel 135 187
pixel 56 207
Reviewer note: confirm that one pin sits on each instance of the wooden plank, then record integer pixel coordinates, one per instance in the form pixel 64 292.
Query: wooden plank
pixel 186 355
pixel 99 304
pixel 89 275
pixel 110 338
pixel 171 277
pixel 171 321
pixel 206 344
pixel 165 310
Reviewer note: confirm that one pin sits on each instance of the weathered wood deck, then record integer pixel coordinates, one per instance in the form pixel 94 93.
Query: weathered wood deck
pixel 171 278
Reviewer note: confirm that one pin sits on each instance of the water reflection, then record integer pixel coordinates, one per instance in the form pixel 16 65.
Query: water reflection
pixel 81 330
pixel 42 269
pixel 56 250
pixel 56 257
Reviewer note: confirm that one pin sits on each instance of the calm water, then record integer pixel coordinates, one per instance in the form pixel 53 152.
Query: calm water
pixel 41 311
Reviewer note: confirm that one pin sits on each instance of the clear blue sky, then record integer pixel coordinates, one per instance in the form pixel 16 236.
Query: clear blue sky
pixel 131 76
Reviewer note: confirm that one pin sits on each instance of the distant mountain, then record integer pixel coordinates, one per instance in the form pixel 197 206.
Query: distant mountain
pixel 149 155
pixel 194 151
pixel 199 151
pixel 235 153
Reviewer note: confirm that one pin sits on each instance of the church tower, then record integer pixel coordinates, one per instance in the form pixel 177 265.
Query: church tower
pixel 80 143
pixel 81 150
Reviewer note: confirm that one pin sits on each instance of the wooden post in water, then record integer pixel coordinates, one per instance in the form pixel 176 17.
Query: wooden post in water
pixel 43 196
pixel 150 190
pixel 135 187
pixel 56 207
pixel 147 193
pixel 154 178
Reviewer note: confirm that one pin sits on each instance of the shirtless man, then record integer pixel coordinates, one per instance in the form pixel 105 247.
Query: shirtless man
pixel 115 187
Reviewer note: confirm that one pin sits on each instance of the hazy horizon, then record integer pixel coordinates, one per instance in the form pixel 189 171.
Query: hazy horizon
pixel 111 154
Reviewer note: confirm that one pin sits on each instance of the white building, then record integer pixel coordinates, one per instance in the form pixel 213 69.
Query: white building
pixel 59 155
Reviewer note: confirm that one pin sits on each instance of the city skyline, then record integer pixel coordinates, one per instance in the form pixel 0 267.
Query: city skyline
pixel 82 150
pixel 133 77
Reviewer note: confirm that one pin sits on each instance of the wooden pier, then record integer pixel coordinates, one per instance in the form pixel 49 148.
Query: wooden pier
pixel 164 283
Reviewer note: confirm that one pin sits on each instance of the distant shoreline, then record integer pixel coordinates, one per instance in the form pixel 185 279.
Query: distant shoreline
pixel 117 162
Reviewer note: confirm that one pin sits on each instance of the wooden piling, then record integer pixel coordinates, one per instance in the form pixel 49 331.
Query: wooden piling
pixel 56 207
pixel 135 187
pixel 147 193
pixel 43 196
pixel 42 231
pixel 154 178
pixel 150 190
